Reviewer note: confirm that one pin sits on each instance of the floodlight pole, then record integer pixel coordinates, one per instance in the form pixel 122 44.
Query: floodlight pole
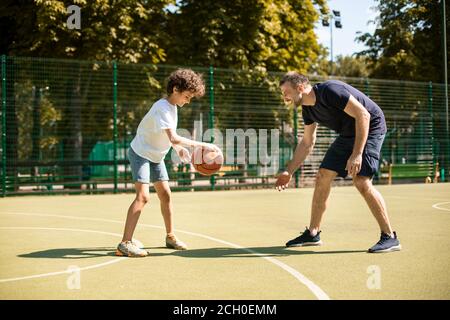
pixel 331 44
pixel 334 17
pixel 444 46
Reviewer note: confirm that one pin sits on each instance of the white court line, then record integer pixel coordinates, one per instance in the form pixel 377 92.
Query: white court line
pixel 65 271
pixel 315 289
pixel 437 206
pixel 386 196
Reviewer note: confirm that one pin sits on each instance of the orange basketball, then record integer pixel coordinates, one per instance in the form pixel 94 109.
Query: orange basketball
pixel 206 162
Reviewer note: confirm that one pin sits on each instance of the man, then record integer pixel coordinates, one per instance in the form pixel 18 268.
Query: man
pixel 361 127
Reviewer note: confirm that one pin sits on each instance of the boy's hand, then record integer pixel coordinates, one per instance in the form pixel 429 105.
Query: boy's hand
pixel 212 147
pixel 283 181
pixel 184 154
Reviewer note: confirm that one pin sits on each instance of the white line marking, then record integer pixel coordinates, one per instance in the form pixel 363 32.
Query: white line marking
pixel 437 206
pixel 318 292
pixel 385 196
pixel 65 271
pixel 315 289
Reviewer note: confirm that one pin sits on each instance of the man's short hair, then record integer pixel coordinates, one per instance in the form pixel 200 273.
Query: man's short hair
pixel 294 78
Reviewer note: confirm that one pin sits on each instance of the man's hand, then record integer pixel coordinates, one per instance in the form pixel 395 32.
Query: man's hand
pixel 283 181
pixel 354 164
pixel 184 154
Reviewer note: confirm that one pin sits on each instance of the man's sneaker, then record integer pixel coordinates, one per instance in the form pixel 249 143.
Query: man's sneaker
pixel 305 239
pixel 129 249
pixel 386 244
pixel 173 243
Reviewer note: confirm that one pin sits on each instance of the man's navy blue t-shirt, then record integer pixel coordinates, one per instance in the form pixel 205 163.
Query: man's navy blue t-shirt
pixel 331 98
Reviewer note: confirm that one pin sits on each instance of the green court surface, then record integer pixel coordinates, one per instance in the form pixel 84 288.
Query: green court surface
pixel 62 247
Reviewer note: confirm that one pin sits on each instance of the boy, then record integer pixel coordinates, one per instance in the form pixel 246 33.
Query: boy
pixel 156 134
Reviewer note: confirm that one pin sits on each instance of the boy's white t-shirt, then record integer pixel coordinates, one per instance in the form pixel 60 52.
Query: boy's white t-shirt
pixel 151 141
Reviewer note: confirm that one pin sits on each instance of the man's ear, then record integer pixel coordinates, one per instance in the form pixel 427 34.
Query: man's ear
pixel 300 87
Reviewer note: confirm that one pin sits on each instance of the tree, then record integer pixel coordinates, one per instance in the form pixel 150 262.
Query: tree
pixel 254 34
pixel 343 66
pixel 406 44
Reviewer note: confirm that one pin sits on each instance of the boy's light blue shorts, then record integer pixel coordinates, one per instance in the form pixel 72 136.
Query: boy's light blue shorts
pixel 145 171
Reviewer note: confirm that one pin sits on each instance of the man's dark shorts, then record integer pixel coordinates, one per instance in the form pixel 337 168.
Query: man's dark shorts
pixel 340 150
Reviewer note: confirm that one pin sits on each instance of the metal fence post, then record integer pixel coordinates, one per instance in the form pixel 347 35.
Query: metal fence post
pixel 296 142
pixel 367 87
pixel 3 125
pixel 430 108
pixel 211 116
pixel 115 123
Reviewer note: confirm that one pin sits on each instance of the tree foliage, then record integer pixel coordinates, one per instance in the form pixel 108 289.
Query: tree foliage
pixel 251 34
pixel 407 43
pixel 126 30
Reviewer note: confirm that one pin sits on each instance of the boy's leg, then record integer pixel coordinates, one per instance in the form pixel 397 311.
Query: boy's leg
pixel 134 211
pixel 375 202
pixel 164 194
pixel 322 189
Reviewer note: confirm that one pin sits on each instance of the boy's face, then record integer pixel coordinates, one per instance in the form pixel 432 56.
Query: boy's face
pixel 291 94
pixel 182 97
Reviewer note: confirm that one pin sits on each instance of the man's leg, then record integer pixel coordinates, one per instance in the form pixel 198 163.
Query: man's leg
pixel 311 237
pixel 375 202
pixel 322 189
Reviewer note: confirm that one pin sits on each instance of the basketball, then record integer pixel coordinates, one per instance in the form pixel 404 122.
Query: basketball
pixel 206 162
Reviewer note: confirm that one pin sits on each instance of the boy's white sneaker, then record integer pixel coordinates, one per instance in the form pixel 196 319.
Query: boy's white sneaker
pixel 173 242
pixel 129 249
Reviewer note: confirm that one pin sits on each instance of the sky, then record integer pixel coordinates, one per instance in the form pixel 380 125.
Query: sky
pixel 355 15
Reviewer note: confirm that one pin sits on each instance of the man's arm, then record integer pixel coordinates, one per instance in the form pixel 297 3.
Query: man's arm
pixel 362 123
pixel 303 149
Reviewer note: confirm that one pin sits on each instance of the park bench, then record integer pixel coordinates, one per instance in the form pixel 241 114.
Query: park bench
pixel 427 172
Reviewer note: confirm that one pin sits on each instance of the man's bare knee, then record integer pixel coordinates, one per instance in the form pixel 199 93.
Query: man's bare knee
pixel 364 185
pixel 324 177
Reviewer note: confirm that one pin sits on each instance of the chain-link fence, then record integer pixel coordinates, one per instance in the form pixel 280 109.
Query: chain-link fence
pixel 66 126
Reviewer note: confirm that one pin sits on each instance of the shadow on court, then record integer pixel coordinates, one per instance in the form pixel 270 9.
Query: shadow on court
pixel 277 251
pixel 71 253
pixel 255 252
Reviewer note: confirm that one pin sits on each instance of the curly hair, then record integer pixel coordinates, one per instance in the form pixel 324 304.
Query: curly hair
pixel 186 80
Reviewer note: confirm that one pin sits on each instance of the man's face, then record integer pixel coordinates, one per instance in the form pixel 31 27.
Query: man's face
pixel 291 94
pixel 183 97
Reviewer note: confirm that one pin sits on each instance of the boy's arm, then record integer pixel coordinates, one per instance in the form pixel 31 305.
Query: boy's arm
pixel 177 140
pixel 183 153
